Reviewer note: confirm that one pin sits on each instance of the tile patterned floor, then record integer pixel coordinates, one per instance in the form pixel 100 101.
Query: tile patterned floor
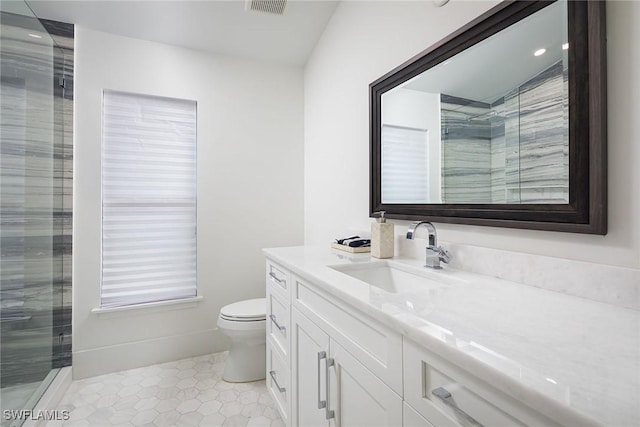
pixel 188 392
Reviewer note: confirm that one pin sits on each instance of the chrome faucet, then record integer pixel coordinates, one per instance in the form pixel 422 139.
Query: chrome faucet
pixel 434 253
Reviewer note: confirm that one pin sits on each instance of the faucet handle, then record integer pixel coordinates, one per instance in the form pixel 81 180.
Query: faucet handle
pixel 444 255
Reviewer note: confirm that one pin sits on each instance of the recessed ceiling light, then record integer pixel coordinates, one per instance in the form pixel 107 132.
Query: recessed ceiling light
pixel 565 46
pixel 35 36
pixel 539 52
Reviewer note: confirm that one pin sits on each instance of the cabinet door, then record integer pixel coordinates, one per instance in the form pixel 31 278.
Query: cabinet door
pixel 375 345
pixel 412 419
pixel 358 397
pixel 310 351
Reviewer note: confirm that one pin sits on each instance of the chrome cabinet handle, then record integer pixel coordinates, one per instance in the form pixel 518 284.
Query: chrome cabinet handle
pixel 273 377
pixel 274 277
pixel 328 413
pixel 321 403
pixel 444 395
pixel 273 319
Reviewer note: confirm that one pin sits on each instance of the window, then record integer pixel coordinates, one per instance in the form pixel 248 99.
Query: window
pixel 405 165
pixel 148 199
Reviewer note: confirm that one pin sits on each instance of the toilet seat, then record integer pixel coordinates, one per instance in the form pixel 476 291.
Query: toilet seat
pixel 242 319
pixel 253 310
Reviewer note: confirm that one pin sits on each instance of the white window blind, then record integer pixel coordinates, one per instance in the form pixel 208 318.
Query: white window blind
pixel 405 166
pixel 148 199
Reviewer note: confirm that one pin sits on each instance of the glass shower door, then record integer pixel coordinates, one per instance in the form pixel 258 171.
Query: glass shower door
pixel 31 266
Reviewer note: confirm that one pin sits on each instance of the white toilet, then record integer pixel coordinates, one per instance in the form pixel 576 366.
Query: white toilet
pixel 244 322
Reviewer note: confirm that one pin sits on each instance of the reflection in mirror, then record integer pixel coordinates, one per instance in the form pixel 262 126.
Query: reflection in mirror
pixel 488 126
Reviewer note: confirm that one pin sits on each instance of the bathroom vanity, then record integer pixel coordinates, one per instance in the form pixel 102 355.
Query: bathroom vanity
pixel 356 341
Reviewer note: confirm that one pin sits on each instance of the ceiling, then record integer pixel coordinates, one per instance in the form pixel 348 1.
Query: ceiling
pixel 215 26
pixel 493 67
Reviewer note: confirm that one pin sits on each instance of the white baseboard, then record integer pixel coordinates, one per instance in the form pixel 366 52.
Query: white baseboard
pixel 106 360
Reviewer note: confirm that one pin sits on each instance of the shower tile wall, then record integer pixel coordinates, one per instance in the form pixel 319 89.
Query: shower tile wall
pixel 514 150
pixel 466 150
pixel 36 203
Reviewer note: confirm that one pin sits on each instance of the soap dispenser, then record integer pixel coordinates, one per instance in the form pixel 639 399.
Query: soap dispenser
pixel 382 237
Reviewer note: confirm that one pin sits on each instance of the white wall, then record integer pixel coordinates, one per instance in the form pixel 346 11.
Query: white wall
pixel 250 159
pixel 364 40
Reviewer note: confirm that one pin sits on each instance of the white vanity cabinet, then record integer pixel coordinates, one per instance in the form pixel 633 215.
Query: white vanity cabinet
pixel 342 368
pixel 329 364
pixel 331 387
pixel 345 365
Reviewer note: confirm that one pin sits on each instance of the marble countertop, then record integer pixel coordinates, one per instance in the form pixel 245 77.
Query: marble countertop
pixel 576 360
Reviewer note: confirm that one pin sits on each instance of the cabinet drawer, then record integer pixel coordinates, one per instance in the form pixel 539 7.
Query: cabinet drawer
pixel 448 396
pixel 280 277
pixel 278 321
pixel 278 382
pixel 377 347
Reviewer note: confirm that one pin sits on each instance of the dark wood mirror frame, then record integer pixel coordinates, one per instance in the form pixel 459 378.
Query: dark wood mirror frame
pixel 586 211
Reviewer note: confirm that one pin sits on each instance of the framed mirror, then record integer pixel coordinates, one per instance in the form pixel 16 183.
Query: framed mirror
pixel 502 123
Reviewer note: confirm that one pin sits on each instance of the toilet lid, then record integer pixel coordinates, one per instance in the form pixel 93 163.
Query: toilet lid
pixel 251 309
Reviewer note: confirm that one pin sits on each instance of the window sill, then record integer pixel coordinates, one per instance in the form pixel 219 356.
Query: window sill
pixel 150 307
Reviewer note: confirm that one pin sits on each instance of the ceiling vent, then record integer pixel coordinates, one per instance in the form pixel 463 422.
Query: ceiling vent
pixel 274 7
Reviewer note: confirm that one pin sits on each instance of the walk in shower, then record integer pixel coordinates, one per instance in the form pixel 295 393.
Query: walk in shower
pixel 36 97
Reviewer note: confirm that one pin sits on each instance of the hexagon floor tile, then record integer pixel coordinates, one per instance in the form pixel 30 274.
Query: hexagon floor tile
pixel 187 392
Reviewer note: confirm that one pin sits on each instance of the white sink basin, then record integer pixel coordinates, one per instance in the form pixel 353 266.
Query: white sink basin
pixel 392 276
